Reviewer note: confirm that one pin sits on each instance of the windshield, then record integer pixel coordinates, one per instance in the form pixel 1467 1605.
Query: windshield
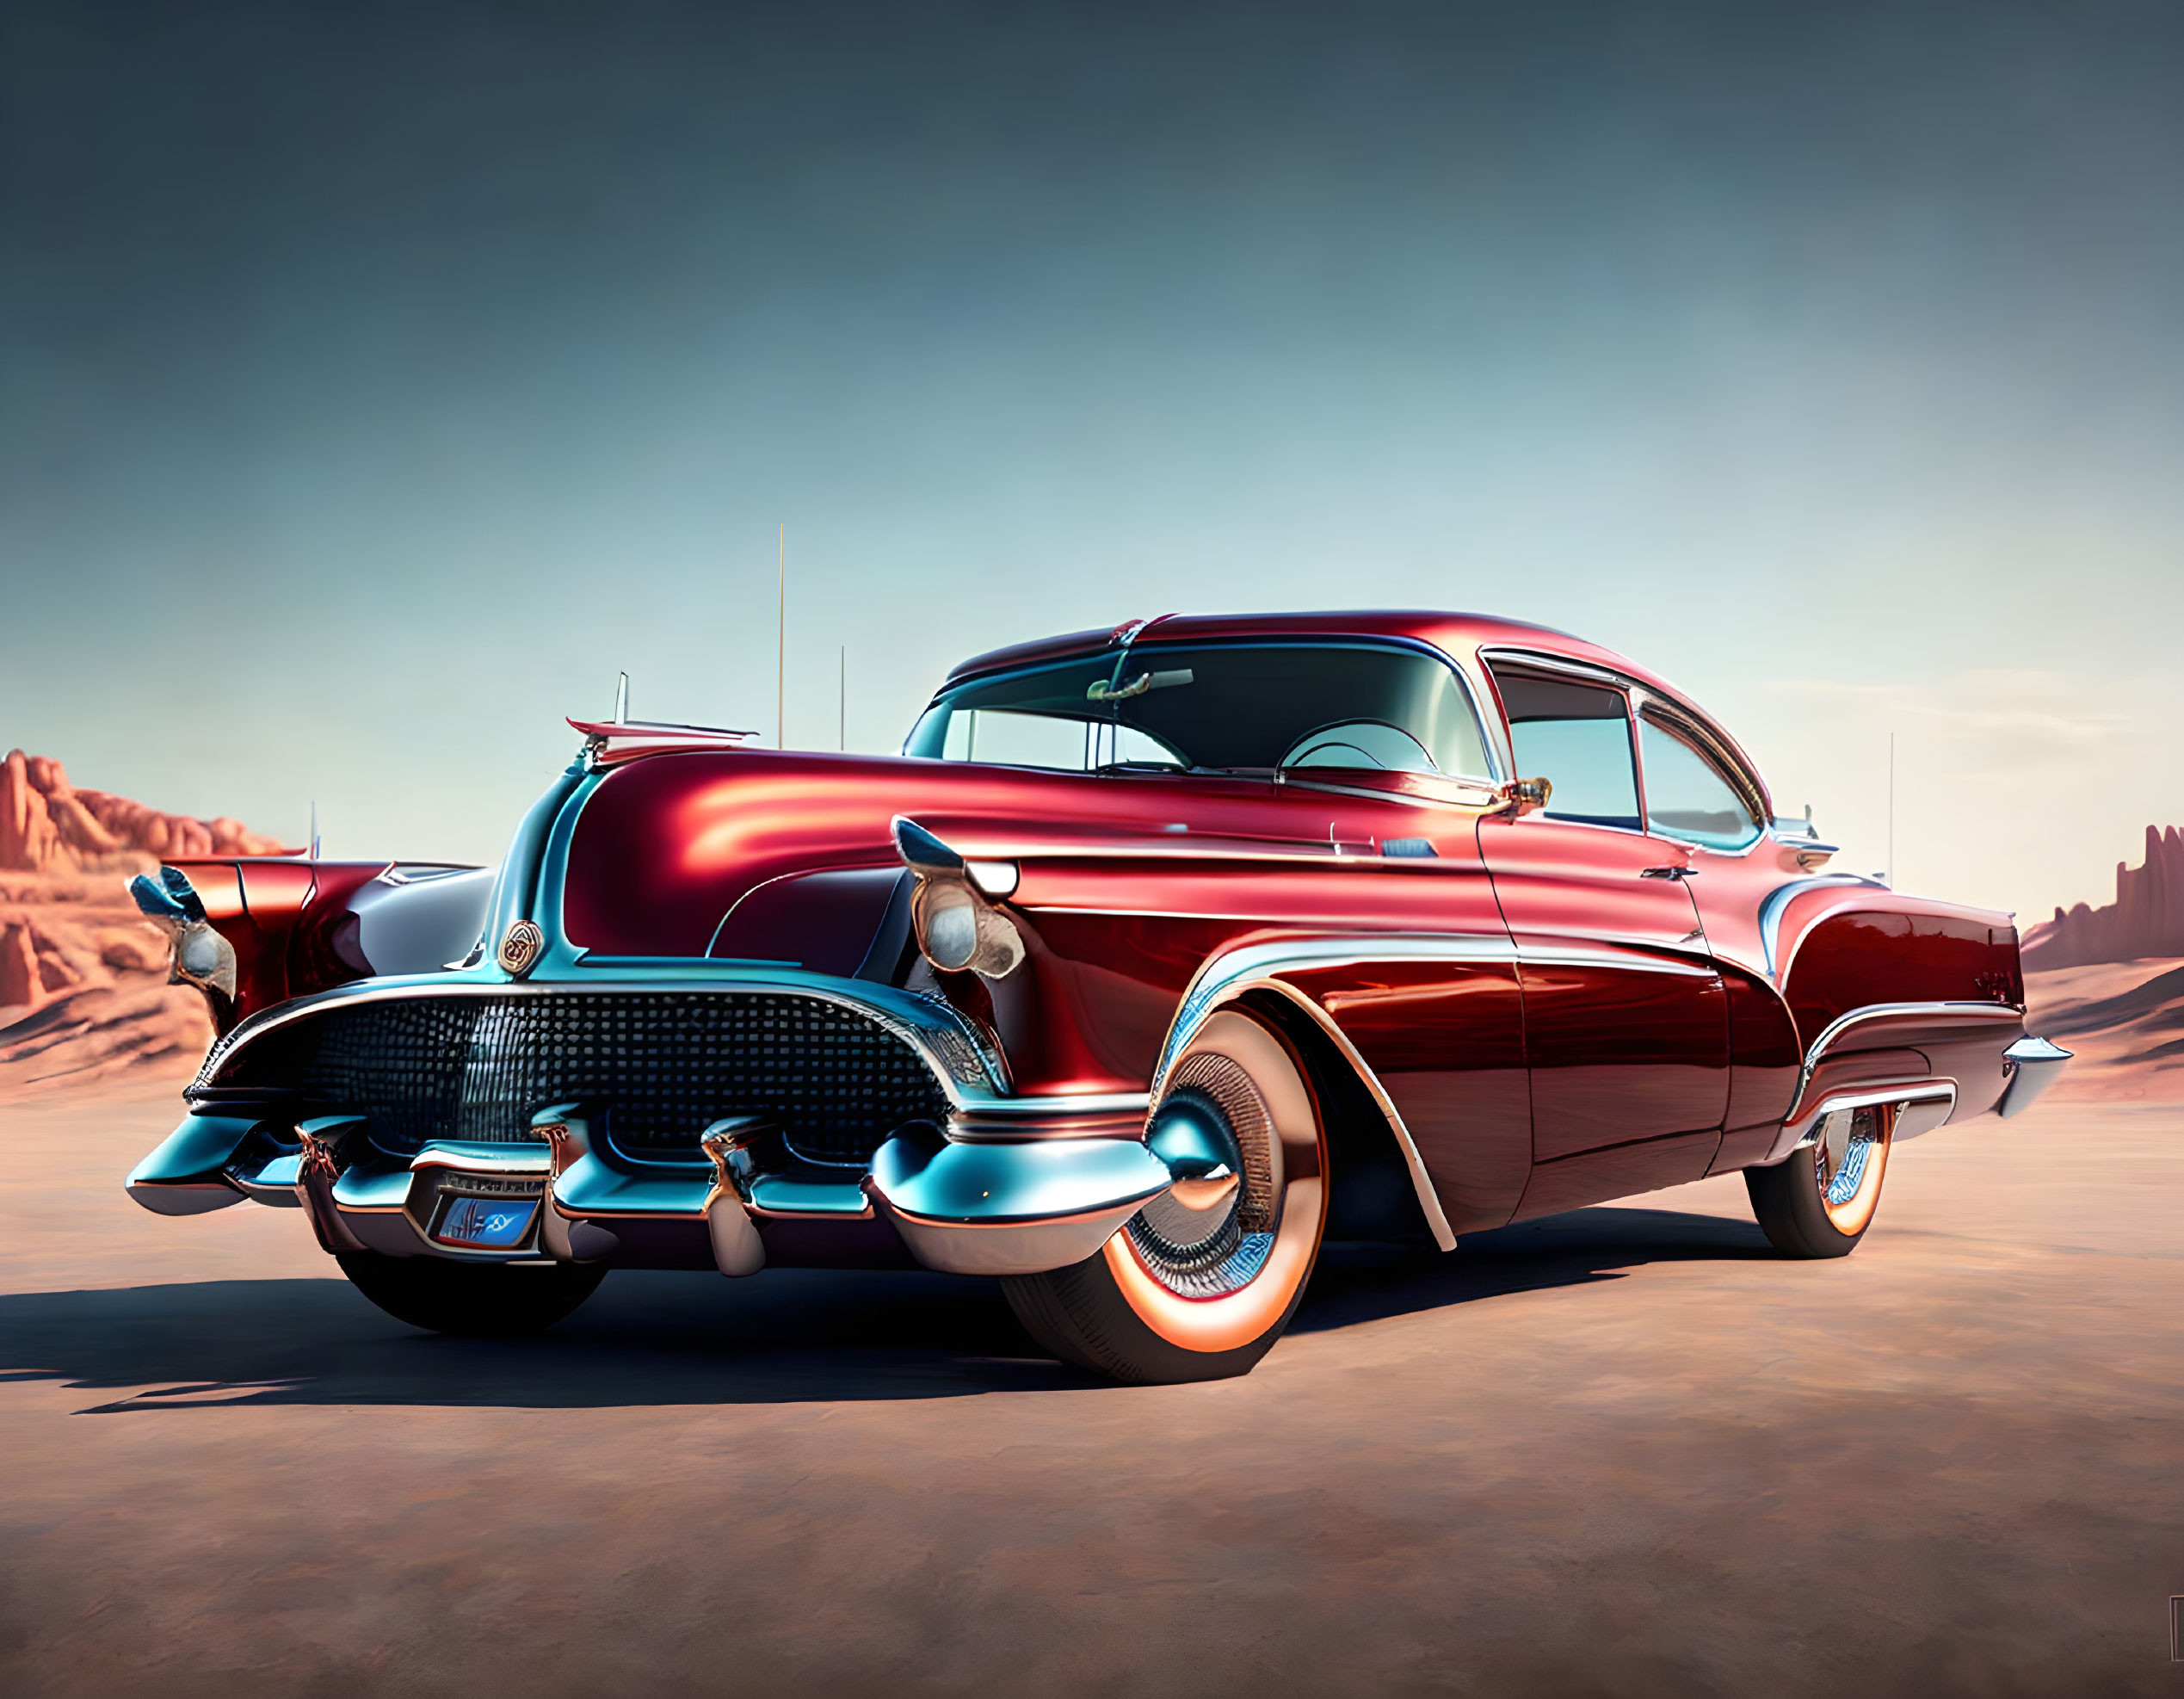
pixel 1242 707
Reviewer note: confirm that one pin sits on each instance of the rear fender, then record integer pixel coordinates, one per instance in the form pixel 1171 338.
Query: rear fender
pixel 251 932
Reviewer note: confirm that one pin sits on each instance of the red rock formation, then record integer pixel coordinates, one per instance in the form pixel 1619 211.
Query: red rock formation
pixel 2147 918
pixel 47 825
pixel 82 975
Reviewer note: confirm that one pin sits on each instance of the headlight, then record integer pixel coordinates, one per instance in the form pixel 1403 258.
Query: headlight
pixel 957 929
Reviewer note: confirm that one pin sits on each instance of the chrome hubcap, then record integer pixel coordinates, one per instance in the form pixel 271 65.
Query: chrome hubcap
pixel 1218 1247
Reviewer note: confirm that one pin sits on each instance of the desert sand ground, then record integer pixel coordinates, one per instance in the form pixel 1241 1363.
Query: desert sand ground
pixel 1626 1450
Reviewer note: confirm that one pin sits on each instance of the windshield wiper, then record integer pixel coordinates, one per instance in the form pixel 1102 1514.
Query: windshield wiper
pixel 1099 691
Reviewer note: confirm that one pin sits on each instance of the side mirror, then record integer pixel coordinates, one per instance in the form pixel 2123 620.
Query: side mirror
pixel 1526 796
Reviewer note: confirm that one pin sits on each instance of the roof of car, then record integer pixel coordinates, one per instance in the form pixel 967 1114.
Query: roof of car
pixel 1453 633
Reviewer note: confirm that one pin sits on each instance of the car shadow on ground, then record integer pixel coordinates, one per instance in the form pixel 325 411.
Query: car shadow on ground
pixel 793 1336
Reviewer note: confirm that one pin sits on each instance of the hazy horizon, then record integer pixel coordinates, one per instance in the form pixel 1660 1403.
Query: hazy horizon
pixel 374 386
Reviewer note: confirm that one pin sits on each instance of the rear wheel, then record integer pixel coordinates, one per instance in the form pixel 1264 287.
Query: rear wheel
pixel 1200 1284
pixel 476 1301
pixel 1819 1200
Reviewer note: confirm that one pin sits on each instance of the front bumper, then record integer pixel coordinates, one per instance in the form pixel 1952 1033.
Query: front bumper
pixel 1002 1197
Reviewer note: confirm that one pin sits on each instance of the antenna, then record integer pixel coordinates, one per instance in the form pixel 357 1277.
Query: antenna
pixel 781 655
pixel 314 831
pixel 1890 880
pixel 621 700
pixel 843 705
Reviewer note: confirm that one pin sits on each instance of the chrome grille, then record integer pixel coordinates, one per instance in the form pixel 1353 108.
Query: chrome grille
pixel 666 1064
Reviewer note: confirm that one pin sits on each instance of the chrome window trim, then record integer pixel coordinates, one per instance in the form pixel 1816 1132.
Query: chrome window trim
pixel 1758 805
pixel 1330 641
pixel 1639 697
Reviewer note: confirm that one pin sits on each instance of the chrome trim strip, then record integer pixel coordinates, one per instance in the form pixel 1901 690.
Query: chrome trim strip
pixel 1974 1012
pixel 1128 636
pixel 1701 966
pixel 1920 1109
pixel 1058 1104
pixel 472 1156
pixel 1220 977
pixel 1779 898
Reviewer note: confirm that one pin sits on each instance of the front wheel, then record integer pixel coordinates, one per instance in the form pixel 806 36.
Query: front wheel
pixel 1200 1284
pixel 1818 1202
pixel 474 1301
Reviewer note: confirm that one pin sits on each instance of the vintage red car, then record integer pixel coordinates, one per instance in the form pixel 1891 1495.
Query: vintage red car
pixel 1160 955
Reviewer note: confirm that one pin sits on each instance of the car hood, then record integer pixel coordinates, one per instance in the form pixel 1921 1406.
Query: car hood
pixel 667 847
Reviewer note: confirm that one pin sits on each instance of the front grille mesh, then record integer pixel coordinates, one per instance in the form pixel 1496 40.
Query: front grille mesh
pixel 666 1064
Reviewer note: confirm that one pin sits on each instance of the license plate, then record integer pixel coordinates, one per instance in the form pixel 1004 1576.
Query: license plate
pixel 486 1223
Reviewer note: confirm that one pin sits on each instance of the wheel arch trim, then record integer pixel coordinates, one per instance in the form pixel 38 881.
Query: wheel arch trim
pixel 1226 978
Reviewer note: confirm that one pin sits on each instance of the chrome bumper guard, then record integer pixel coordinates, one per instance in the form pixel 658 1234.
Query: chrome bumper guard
pixel 2034 1064
pixel 988 1208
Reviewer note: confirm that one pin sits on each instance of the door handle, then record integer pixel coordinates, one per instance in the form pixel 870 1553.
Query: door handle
pixel 1668 873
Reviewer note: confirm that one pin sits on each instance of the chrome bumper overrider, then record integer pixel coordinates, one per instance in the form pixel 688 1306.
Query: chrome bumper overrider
pixel 1006 1209
pixel 2034 1064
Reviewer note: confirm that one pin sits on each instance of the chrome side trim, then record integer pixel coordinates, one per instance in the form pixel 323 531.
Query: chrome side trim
pixel 1493 653
pixel 2034 1064
pixel 1975 1013
pixel 1225 978
pixel 1220 978
pixel 1779 900
pixel 1699 966
pixel 1920 1109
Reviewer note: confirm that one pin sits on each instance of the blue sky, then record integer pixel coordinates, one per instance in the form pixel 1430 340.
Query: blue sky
pixel 373 387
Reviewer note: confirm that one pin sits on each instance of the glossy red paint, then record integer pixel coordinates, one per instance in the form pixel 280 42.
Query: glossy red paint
pixel 287 920
pixel 1627 1023
pixel 1597 1176
pixel 1920 951
pixel 1641 1004
pixel 1445 1041
pixel 1556 1013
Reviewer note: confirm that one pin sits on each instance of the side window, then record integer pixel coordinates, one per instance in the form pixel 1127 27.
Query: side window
pixel 1688 797
pixel 1577 737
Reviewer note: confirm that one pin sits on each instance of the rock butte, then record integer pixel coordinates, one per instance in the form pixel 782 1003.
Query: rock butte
pixel 82 976
pixel 2146 919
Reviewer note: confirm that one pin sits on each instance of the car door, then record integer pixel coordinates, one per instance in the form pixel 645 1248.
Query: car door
pixel 1626 1032
pixel 1697 794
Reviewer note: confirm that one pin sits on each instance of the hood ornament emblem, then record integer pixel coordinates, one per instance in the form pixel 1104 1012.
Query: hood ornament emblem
pixel 522 945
